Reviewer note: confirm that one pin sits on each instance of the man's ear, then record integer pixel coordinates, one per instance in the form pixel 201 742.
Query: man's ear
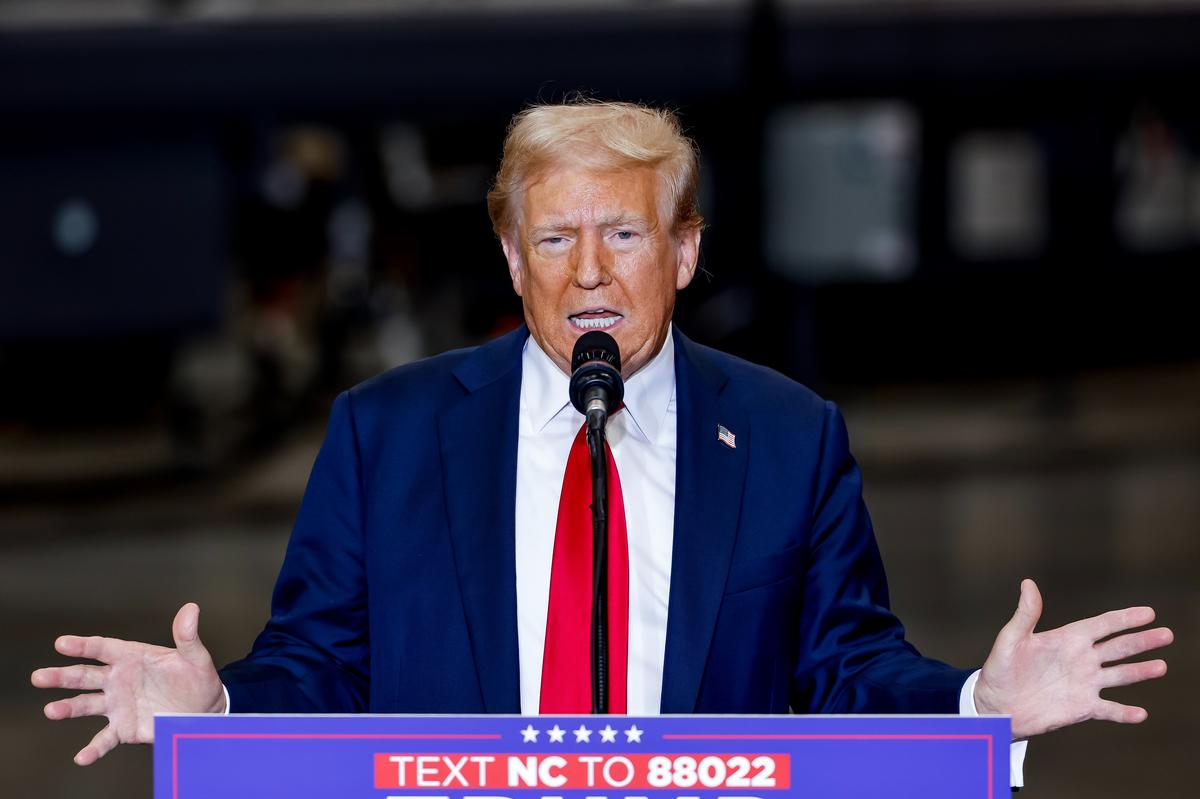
pixel 512 254
pixel 688 253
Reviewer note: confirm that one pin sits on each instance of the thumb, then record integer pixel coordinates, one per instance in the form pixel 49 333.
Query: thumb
pixel 1029 609
pixel 186 632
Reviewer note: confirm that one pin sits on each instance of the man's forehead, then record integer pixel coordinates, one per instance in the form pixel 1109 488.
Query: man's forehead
pixel 612 196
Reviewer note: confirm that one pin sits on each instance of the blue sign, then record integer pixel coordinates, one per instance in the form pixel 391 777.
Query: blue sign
pixel 573 757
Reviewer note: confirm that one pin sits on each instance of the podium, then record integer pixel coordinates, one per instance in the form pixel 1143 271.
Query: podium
pixel 580 757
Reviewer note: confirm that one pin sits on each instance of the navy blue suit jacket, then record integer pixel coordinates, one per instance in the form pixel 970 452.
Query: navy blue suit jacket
pixel 398 591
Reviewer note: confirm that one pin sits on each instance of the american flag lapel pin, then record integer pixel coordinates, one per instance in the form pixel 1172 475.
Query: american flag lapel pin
pixel 725 437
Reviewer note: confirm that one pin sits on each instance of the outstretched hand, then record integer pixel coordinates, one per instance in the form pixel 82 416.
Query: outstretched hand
pixel 135 681
pixel 1053 679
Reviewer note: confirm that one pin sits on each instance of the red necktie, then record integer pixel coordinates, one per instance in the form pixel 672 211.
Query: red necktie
pixel 567 661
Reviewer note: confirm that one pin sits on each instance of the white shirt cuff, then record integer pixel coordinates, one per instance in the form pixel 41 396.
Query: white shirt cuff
pixel 1016 750
pixel 226 690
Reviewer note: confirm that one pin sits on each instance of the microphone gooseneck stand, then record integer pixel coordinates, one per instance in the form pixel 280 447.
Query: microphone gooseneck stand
pixel 596 389
pixel 595 437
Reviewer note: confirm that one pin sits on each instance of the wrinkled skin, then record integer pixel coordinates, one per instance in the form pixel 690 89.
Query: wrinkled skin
pixel 1053 679
pixel 133 682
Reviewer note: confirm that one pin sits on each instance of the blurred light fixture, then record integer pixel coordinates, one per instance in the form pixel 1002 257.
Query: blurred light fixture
pixel 997 195
pixel 349 234
pixel 75 226
pixel 1158 201
pixel 283 185
pixel 409 179
pixel 840 187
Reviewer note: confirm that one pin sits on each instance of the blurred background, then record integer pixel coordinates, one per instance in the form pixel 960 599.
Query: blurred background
pixel 975 225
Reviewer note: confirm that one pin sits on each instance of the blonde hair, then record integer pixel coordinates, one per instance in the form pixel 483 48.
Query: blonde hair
pixel 601 136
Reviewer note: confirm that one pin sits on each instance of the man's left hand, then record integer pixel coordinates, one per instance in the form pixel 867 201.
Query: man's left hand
pixel 1053 679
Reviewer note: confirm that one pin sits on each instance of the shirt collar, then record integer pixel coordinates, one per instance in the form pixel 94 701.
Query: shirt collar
pixel 648 393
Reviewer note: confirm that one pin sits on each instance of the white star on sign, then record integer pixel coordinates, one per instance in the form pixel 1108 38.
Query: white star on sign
pixel 608 735
pixel 633 735
pixel 556 734
pixel 582 735
pixel 529 734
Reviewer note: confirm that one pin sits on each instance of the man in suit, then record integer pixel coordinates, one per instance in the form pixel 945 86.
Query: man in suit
pixel 421 568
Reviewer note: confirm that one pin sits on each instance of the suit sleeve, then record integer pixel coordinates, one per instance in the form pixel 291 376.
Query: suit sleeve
pixel 314 655
pixel 852 656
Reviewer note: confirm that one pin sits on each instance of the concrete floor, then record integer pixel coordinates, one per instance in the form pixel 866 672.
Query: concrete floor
pixel 1095 492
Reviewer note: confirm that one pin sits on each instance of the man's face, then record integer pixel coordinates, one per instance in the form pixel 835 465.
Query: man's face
pixel 591 252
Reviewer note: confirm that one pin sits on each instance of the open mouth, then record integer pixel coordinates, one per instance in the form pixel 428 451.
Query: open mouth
pixel 599 319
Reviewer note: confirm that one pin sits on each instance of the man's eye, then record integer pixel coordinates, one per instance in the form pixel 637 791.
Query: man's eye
pixel 625 235
pixel 553 240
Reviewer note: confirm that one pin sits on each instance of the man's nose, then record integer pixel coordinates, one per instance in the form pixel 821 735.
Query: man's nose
pixel 593 263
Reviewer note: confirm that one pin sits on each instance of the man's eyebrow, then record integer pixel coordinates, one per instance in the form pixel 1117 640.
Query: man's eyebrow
pixel 617 220
pixel 551 226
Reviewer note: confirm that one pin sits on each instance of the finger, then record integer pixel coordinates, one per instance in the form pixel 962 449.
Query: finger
pixel 1127 646
pixel 75 707
pixel 186 632
pixel 79 677
pixel 1115 621
pixel 104 742
pixel 1122 714
pixel 92 647
pixel 1029 609
pixel 1130 673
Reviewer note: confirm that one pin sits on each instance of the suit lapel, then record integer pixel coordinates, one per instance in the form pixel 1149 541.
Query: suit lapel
pixel 478 437
pixel 709 481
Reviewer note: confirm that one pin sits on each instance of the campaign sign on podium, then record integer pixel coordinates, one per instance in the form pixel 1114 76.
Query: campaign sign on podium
pixel 580 757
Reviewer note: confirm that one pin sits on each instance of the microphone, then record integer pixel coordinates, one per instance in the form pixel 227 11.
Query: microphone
pixel 596 384
pixel 596 389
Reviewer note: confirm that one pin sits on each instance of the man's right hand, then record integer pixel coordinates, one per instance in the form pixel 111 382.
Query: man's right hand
pixel 135 681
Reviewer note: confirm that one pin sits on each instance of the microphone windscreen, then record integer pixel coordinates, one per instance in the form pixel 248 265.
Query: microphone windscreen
pixel 596 345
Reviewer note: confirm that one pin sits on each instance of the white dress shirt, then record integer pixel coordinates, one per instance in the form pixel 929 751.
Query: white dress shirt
pixel 642 439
